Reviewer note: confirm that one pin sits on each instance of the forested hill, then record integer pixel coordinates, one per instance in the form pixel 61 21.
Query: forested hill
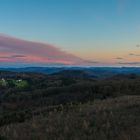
pixel 28 96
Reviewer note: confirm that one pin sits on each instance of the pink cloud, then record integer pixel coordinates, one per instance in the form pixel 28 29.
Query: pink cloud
pixel 18 50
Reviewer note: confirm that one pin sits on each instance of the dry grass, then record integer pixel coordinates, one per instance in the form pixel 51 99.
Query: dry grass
pixel 111 119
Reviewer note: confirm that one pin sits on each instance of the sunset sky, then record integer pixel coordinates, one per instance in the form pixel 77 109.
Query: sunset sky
pixel 70 32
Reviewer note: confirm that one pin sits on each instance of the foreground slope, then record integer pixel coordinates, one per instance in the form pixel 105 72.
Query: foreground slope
pixel 111 119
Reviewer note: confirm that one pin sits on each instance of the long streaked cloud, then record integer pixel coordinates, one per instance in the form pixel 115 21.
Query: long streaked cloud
pixel 132 54
pixel 129 63
pixel 18 50
pixel 13 56
pixel 119 58
pixel 91 62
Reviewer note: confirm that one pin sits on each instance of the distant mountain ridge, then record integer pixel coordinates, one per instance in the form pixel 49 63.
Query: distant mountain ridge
pixel 99 72
pixel 74 74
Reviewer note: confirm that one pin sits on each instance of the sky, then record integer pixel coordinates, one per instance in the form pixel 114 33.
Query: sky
pixel 70 32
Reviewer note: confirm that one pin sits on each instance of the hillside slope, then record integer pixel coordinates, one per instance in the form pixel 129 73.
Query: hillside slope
pixel 111 119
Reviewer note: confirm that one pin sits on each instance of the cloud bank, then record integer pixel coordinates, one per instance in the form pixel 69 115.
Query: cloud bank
pixel 22 51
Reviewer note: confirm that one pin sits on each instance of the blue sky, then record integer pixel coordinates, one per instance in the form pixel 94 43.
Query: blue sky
pixel 97 30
